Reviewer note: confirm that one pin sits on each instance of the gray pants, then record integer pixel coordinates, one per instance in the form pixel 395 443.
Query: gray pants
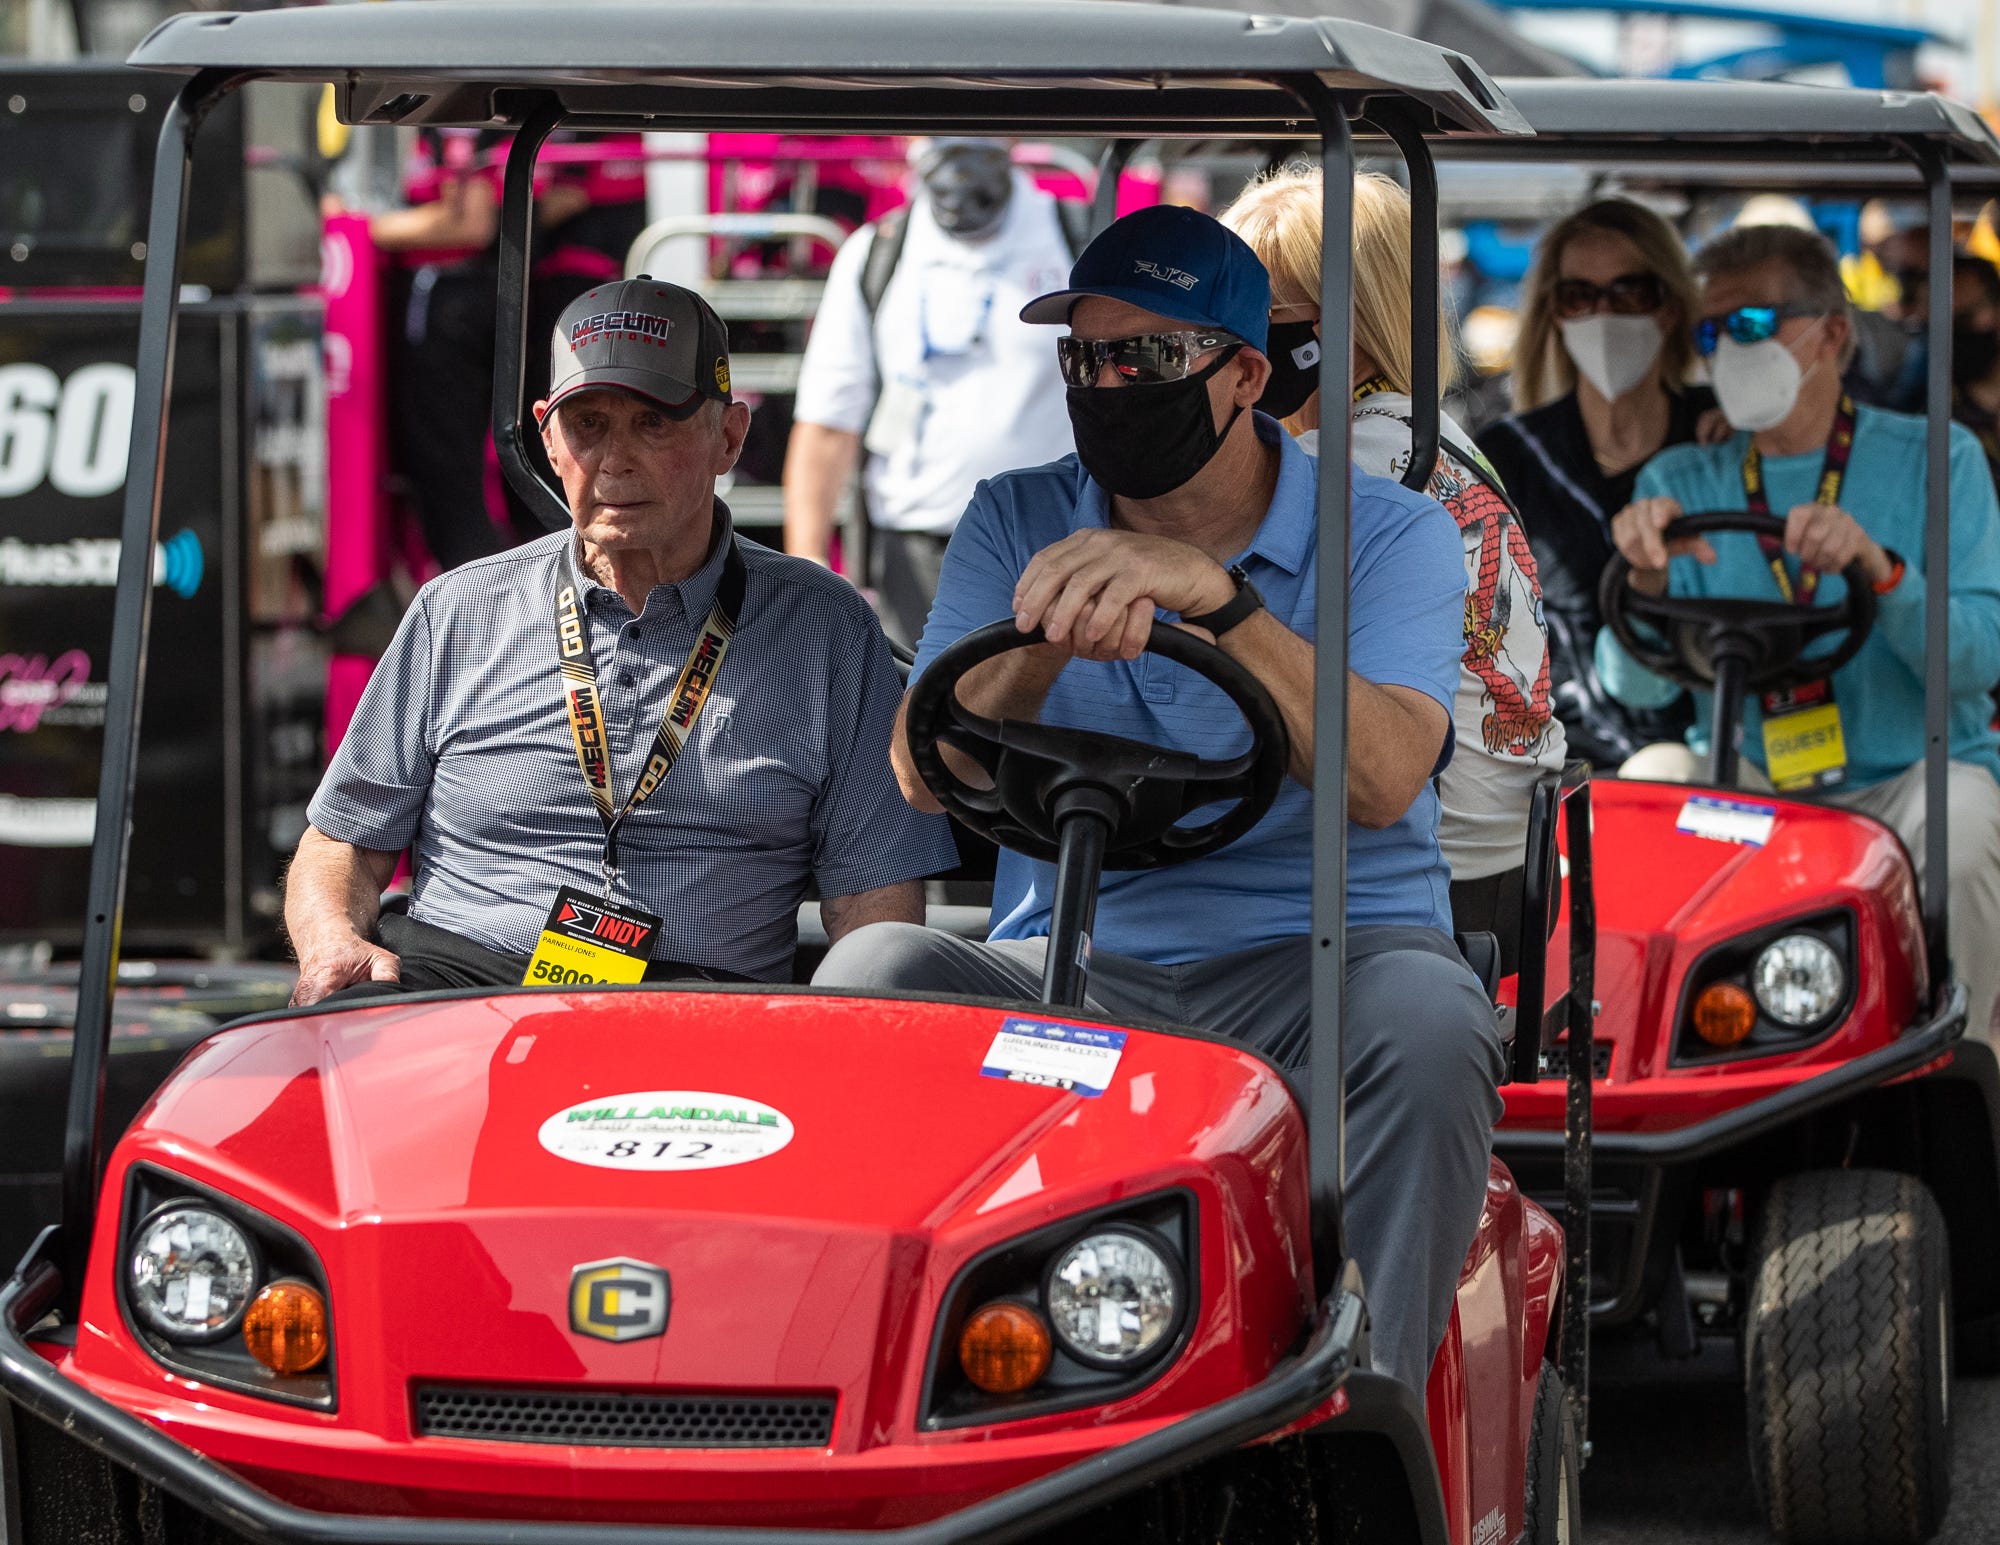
pixel 903 566
pixel 1423 1071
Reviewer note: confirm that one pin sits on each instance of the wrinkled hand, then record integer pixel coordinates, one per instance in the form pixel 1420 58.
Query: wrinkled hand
pixel 331 967
pixel 1635 532
pixel 1827 539
pixel 1094 592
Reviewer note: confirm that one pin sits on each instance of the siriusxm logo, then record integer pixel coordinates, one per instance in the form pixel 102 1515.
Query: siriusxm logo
pixel 178 563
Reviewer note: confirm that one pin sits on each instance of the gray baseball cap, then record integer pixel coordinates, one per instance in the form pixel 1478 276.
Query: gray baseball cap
pixel 643 336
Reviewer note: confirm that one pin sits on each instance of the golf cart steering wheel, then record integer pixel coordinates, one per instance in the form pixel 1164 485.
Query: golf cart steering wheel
pixel 1044 773
pixel 1765 639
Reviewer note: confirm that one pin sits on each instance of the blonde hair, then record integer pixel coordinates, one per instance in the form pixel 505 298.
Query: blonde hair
pixel 1543 370
pixel 1278 215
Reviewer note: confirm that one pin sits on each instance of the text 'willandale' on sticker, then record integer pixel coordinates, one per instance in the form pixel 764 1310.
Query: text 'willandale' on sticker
pixel 1079 1058
pixel 1741 821
pixel 666 1129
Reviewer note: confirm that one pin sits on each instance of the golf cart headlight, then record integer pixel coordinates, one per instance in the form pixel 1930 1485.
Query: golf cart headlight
pixel 192 1273
pixel 1113 1298
pixel 1800 980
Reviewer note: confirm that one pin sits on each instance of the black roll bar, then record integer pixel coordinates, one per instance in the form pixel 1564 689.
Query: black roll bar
pixel 1563 796
pixel 510 340
pixel 1579 1126
pixel 1111 164
pixel 1426 389
pixel 125 671
pixel 1937 571
pixel 1326 1105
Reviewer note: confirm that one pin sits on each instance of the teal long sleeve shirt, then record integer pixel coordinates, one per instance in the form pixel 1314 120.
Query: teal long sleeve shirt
pixel 1880 691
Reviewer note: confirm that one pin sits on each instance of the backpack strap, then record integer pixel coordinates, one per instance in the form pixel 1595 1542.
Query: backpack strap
pixel 885 251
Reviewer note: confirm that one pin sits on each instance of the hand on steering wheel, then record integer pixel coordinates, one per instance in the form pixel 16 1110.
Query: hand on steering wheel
pixel 1768 637
pixel 1141 790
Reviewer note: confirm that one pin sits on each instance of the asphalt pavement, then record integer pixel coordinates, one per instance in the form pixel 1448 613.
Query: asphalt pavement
pixel 1669 1466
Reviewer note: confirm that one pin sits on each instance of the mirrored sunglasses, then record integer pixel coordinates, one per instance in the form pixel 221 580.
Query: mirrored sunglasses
pixel 1628 295
pixel 1746 324
pixel 1145 359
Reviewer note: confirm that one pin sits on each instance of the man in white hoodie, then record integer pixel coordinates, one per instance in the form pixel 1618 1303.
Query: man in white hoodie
pixel 918 355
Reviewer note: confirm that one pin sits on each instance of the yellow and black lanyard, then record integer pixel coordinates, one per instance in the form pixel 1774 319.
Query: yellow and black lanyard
pixel 1373 385
pixel 1832 473
pixel 578 668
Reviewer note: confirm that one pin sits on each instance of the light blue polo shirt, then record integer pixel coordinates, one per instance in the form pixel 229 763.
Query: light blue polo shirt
pixel 1881 690
pixel 1406 630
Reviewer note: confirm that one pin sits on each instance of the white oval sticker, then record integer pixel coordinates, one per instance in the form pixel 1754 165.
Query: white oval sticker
pixel 664 1129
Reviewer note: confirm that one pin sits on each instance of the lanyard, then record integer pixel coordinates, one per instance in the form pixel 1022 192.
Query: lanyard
pixel 578 674
pixel 1832 472
pixel 973 339
pixel 1372 385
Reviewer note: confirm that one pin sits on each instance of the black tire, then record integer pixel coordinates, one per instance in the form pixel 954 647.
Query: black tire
pixel 1847 1358
pixel 1554 1514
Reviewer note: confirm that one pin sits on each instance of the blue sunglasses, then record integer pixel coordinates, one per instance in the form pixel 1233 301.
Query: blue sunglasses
pixel 1746 324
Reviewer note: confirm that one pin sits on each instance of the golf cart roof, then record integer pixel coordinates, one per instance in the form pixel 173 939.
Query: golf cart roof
pixel 1752 134
pixel 1039 66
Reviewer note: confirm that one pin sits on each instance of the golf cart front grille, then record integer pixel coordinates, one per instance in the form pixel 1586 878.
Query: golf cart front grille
pixel 623 1420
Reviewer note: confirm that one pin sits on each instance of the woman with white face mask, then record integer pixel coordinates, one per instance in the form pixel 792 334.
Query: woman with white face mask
pixel 1507 735
pixel 1600 386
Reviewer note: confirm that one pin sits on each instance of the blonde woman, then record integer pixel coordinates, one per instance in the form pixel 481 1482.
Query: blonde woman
pixel 1600 387
pixel 1506 733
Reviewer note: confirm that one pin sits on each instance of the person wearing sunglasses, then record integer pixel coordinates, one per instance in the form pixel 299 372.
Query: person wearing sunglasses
pixel 1183 506
pixel 1601 372
pixel 1848 481
pixel 1506 733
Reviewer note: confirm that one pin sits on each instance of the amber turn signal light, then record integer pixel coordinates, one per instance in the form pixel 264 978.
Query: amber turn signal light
pixel 285 1327
pixel 1724 1014
pixel 1004 1348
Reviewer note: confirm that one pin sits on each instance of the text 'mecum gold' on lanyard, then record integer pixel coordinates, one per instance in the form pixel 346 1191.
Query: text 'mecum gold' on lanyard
pixel 1832 472
pixel 577 669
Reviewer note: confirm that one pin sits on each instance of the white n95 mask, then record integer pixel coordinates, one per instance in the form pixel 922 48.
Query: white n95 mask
pixel 1757 384
pixel 1613 353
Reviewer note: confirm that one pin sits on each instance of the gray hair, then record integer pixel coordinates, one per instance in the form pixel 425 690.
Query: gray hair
pixel 1807 257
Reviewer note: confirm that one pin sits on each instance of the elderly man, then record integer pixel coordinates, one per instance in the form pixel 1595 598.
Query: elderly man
pixel 1180 499
pixel 1848 481
pixel 624 749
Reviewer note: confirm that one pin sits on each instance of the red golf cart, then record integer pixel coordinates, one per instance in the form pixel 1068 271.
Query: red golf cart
pixel 1795 1146
pixel 769 1265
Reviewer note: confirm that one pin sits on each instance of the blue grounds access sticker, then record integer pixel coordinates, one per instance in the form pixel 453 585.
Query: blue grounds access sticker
pixel 1079 1058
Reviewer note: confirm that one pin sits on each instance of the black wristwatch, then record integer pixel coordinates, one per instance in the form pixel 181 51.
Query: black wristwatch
pixel 1226 616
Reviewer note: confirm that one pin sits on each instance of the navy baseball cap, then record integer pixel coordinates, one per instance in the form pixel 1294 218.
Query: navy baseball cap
pixel 1177 262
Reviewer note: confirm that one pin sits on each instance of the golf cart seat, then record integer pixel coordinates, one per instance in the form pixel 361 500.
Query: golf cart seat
pixel 1481 950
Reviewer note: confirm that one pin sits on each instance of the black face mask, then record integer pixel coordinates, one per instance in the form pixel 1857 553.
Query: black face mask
pixel 1144 441
pixel 1294 352
pixel 1974 353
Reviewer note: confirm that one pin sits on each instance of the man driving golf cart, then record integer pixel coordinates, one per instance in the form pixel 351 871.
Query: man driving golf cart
pixel 1179 499
pixel 1843 480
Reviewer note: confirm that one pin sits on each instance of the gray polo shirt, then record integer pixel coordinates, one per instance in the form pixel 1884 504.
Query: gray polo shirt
pixel 461 749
